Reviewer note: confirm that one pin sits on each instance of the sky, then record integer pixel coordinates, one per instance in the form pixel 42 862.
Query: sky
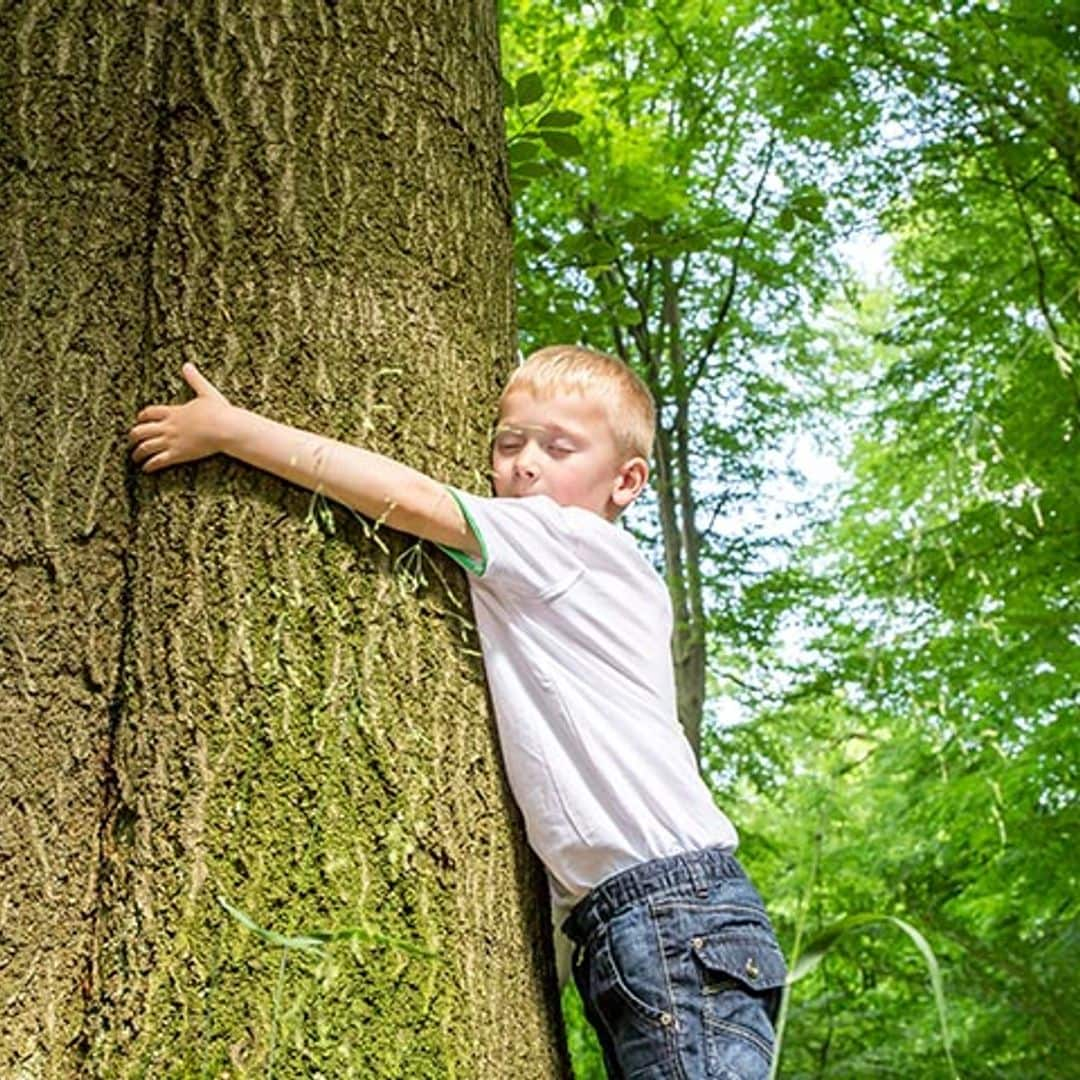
pixel 806 473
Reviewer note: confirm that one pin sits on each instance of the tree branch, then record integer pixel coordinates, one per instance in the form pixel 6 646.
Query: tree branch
pixel 729 292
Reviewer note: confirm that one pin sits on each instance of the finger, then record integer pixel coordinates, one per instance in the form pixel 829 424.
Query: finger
pixel 199 383
pixel 145 431
pixel 149 447
pixel 153 412
pixel 157 462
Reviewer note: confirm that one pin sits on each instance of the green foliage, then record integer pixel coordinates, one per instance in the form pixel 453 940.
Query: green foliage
pixel 806 961
pixel 940 602
pixel 906 653
pixel 532 131
pixel 586 1057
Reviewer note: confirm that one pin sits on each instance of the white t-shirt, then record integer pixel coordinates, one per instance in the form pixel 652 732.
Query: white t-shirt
pixel 575 628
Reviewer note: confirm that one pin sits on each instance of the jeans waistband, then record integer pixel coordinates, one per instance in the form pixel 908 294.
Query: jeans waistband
pixel 692 871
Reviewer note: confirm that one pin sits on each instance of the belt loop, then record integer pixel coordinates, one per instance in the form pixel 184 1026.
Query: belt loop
pixel 699 876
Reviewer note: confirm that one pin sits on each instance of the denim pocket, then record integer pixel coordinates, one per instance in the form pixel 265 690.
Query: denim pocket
pixel 628 971
pixel 627 998
pixel 742 974
pixel 742 956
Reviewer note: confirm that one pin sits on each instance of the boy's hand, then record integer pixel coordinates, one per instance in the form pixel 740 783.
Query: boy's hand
pixel 377 486
pixel 166 435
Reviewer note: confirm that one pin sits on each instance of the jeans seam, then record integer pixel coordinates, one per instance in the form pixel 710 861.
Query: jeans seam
pixel 743 1033
pixel 612 1041
pixel 646 1012
pixel 672 1032
pixel 684 902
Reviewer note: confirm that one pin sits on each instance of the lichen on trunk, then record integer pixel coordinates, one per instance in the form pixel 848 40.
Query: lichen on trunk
pixel 238 691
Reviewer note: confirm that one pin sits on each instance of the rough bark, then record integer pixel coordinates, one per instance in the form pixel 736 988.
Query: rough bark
pixel 212 684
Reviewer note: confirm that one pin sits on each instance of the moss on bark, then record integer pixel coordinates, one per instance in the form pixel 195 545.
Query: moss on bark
pixel 224 687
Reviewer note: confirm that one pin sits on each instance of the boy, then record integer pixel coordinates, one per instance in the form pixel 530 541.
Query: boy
pixel 674 956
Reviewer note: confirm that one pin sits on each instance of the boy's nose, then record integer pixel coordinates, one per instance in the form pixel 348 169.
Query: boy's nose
pixel 525 464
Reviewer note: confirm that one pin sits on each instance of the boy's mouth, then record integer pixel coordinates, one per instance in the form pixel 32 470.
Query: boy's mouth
pixel 515 490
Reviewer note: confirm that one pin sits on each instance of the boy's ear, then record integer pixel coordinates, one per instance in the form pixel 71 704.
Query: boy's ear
pixel 629 482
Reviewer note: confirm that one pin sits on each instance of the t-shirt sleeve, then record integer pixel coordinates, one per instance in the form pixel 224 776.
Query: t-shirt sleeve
pixel 527 545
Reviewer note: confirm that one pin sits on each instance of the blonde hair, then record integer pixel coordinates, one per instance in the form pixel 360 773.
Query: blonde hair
pixel 630 408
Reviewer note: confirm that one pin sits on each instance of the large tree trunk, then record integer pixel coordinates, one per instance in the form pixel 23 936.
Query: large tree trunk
pixel 214 686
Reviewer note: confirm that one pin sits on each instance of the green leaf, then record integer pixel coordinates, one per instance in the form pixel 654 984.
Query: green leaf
pixel 786 219
pixel 601 252
pixel 508 95
pixel 530 88
pixel 696 242
pixel 562 143
pixel 559 119
pixel 576 243
pixel 523 150
pixel 532 170
pixel 616 19
pixel 809 205
pixel 808 212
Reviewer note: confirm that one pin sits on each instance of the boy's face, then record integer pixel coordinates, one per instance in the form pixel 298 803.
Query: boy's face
pixel 563 447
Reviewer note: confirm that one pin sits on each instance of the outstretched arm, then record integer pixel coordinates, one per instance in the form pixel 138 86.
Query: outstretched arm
pixel 377 486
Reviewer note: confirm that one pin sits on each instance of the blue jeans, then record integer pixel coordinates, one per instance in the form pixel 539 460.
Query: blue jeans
pixel 679 970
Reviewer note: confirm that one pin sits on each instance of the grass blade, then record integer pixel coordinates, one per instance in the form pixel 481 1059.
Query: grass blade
pixel 314 941
pixel 303 943
pixel 817 949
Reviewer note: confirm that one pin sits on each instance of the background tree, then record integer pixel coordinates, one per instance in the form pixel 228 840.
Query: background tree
pixel 930 724
pixel 684 229
pixel 215 686
pixel 906 671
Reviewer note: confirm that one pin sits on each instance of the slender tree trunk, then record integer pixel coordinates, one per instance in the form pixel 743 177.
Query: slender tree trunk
pixel 679 529
pixel 661 362
pixel 213 685
pixel 687 652
pixel 690 652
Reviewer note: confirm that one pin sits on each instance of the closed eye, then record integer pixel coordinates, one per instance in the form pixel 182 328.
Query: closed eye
pixel 508 444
